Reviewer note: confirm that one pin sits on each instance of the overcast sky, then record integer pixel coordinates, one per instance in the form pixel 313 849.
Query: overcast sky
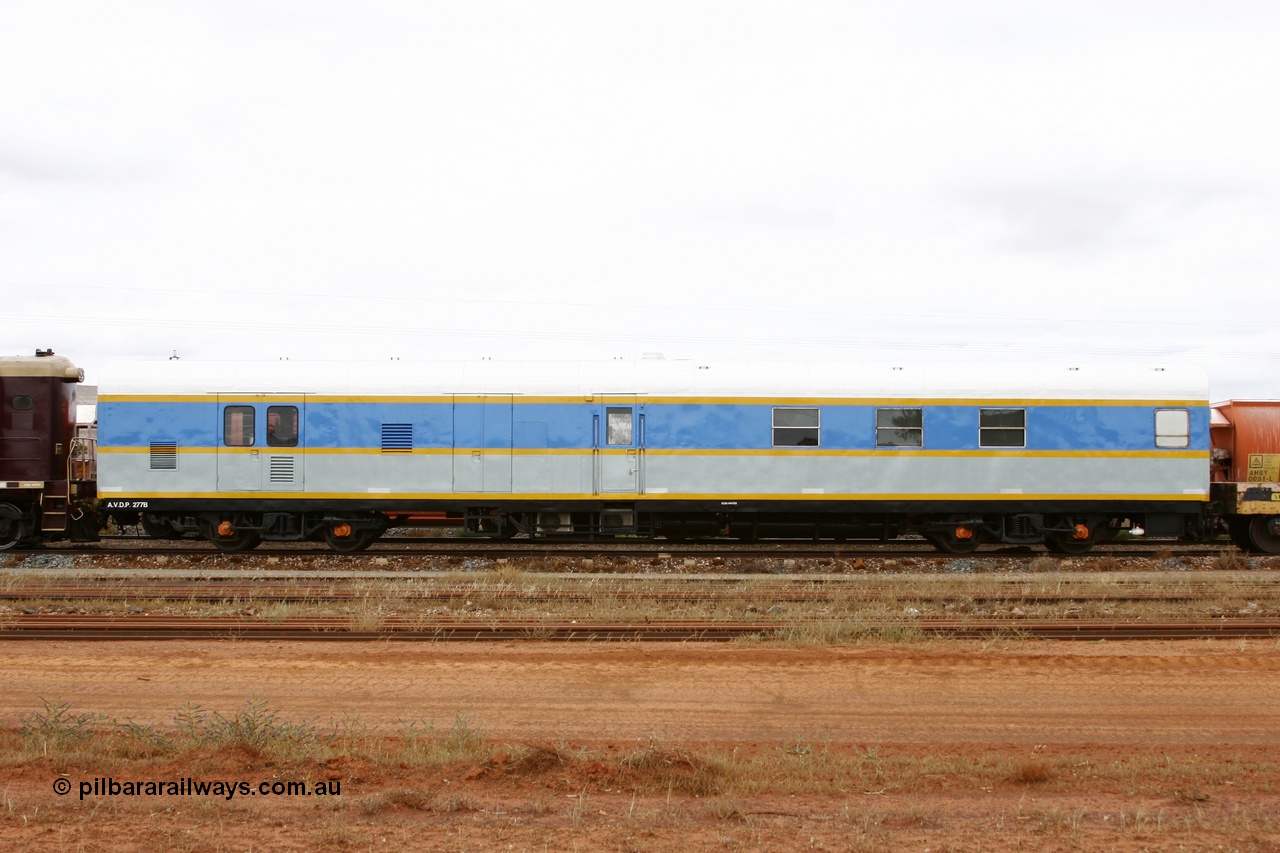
pixel 842 181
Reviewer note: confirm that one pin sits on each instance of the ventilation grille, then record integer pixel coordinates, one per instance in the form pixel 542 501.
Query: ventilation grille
pixel 164 455
pixel 397 438
pixel 281 469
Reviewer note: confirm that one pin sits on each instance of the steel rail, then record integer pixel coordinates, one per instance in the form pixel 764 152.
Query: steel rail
pixel 53 627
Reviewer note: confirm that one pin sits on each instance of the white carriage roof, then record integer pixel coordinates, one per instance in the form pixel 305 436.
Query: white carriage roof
pixel 663 378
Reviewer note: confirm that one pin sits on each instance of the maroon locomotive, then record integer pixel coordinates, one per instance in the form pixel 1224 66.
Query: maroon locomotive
pixel 47 479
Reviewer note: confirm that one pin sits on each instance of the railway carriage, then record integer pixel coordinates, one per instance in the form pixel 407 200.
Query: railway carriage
pixel 959 454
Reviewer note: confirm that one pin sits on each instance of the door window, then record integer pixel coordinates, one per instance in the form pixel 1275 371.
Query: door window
pixel 282 426
pixel 237 426
pixel 618 426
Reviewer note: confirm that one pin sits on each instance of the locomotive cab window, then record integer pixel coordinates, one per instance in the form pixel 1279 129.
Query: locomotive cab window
pixel 23 403
pixel 899 427
pixel 1002 428
pixel 796 427
pixel 282 426
pixel 617 426
pixel 237 426
pixel 1173 428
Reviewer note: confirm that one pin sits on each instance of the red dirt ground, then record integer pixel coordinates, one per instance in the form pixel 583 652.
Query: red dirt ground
pixel 1160 708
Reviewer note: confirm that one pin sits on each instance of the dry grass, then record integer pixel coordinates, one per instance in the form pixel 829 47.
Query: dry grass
pixel 412 799
pixel 539 758
pixel 62 737
pixel 1032 771
pixel 1230 561
pixel 672 768
pixel 851 797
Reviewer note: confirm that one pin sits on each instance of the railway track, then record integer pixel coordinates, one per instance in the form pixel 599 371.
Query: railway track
pixel 497 550
pixel 156 628
pixel 796 592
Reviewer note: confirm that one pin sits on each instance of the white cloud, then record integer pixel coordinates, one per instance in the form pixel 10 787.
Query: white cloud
pixel 828 180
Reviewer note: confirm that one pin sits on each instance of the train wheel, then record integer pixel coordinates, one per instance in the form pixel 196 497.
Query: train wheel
pixel 226 537
pixel 955 535
pixel 951 545
pixel 244 540
pixel 12 532
pixel 13 527
pixel 343 537
pixel 1264 534
pixel 156 527
pixel 1072 543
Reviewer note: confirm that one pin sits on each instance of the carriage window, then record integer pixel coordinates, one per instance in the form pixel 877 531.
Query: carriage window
pixel 24 402
pixel 237 426
pixel 282 426
pixel 1173 428
pixel 899 428
pixel 617 426
pixel 1002 428
pixel 796 427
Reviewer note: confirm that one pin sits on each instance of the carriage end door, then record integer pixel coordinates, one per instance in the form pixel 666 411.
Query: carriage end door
pixel 619 445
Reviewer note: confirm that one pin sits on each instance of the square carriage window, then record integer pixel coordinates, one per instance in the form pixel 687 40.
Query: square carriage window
pixel 237 426
pixel 282 426
pixel 796 427
pixel 617 426
pixel 1173 428
pixel 899 427
pixel 24 402
pixel 1002 428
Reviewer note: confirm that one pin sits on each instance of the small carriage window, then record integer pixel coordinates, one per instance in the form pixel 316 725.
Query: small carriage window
pixel 1002 428
pixel 282 426
pixel 899 428
pixel 24 402
pixel 617 426
pixel 237 426
pixel 796 427
pixel 1173 428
